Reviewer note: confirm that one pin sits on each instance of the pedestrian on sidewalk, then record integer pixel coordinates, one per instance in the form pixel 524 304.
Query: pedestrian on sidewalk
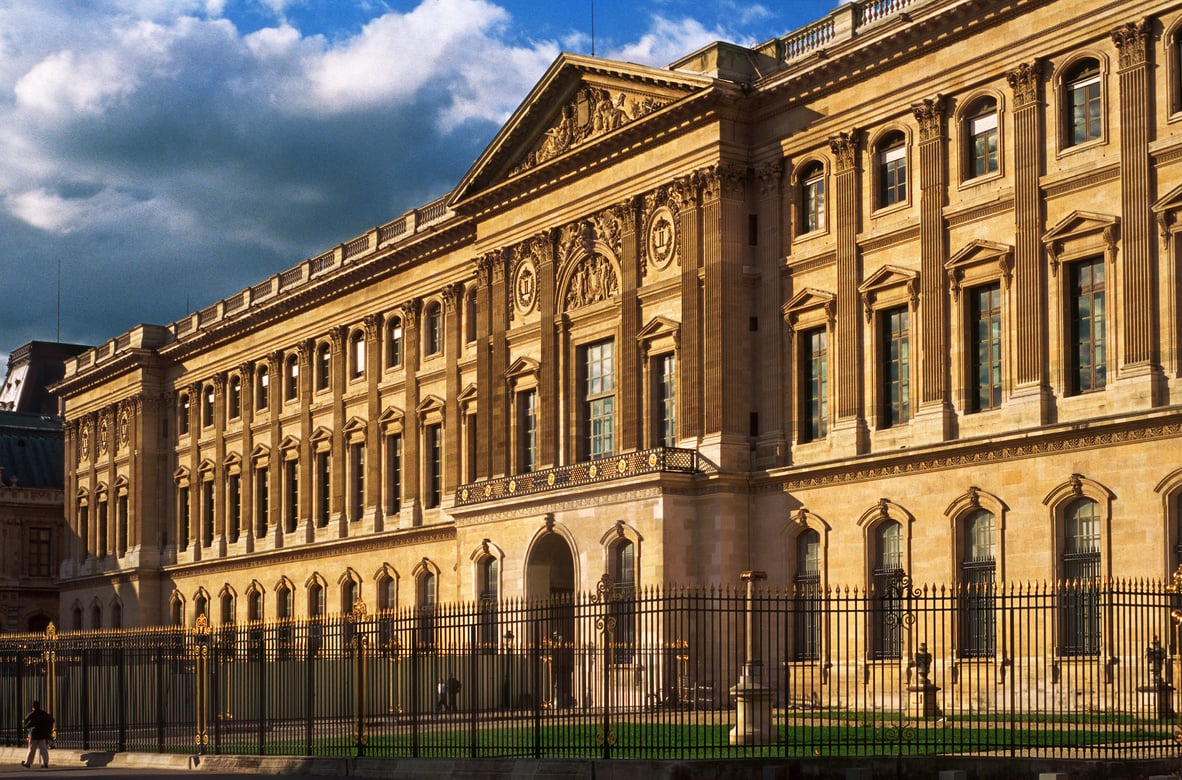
pixel 39 727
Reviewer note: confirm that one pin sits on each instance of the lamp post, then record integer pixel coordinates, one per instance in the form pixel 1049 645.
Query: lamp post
pixel 506 681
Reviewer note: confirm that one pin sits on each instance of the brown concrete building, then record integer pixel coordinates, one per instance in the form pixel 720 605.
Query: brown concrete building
pixel 896 291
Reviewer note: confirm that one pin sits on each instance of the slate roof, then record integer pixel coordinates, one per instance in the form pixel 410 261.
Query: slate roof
pixel 31 451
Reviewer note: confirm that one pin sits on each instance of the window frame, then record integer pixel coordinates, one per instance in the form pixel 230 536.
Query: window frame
pixel 892 146
pixel 977 107
pixel 433 329
pixel 597 408
pixel 814 203
pixel 1068 80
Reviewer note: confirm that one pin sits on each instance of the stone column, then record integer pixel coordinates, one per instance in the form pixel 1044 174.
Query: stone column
pixel 934 419
pixel 484 378
pixel 338 455
pixel 498 411
pixel 411 513
pixel 246 477
pixel 275 461
pixel 453 420
pixel 192 542
pixel 631 368
pixel 304 468
pixel 772 446
pixel 753 697
pixel 690 373
pixel 850 432
pixel 548 390
pixel 1139 315
pixel 374 452
pixel 1029 350
pixel 219 464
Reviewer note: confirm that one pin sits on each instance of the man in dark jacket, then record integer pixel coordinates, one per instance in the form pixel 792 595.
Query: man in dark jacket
pixel 39 726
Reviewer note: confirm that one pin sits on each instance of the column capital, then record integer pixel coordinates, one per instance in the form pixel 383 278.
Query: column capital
pixel 1025 81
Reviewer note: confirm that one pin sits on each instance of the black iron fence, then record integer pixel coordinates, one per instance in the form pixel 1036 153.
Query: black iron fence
pixel 1083 670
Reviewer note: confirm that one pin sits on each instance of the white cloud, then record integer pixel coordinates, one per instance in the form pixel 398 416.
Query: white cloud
pixel 667 40
pixel 70 82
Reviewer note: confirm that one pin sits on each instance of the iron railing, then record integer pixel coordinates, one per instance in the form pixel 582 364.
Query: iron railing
pixel 626 673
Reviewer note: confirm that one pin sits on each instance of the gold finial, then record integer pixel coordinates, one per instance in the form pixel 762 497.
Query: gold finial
pixel 359 613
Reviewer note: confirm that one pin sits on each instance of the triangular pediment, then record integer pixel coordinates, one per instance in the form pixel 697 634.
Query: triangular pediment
pixel 887 277
pixel 467 395
pixel 807 299
pixel 578 101
pixel 978 251
pixel 523 366
pixel 1079 223
pixel 658 327
pixel 1171 201
pixel 431 403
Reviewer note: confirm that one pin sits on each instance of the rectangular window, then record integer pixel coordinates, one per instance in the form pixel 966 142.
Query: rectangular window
pixel 814 374
pixel 814 203
pixel 433 451
pixel 807 602
pixel 207 513
pixel 84 529
pixel 896 367
pixel 262 503
pixel 527 431
pixel 393 474
pixel 291 495
pixel 1087 325
pixel 121 524
pixel 983 131
pixel 985 347
pixel 39 550
pixel 470 435
pixel 101 519
pixel 599 398
pixel 893 171
pixel 234 507
pixel 323 488
pixel 356 481
pixel 1085 109
pixel 182 511
pixel 665 382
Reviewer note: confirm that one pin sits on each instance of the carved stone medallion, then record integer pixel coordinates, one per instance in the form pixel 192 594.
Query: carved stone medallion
pixel 525 286
pixel 661 241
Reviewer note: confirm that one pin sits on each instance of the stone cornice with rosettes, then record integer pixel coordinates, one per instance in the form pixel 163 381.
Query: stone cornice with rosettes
pixel 319 551
pixel 978 453
pixel 321 290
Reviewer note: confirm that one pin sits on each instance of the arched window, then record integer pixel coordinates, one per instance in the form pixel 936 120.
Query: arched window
pixel 315 614
pixel 892 169
pixel 207 406
pixel 357 354
pixel 425 602
pixel 96 616
pixel 470 315
pixel 978 568
pixel 488 582
pixel 116 615
pixel 812 198
pixel 176 613
pixel 323 365
pixel 254 606
pixel 182 414
pixel 887 609
pixel 200 607
pixel 433 329
pixel 291 376
pixel 982 150
pixel 387 601
pixel 1083 96
pixel 394 342
pixel 284 611
pixel 1080 569
pixel 348 595
pixel 807 596
pixel 622 568
pixel 78 618
pixel 228 608
pixel 234 397
pixel 262 381
pixel 283 605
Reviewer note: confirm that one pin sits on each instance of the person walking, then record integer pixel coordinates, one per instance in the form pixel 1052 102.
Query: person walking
pixel 39 727
pixel 453 693
pixel 441 696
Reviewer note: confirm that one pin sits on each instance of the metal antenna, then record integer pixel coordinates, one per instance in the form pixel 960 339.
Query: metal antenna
pixel 59 300
pixel 592 28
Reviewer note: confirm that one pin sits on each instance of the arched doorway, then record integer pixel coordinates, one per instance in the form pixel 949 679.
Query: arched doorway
pixel 550 577
pixel 38 623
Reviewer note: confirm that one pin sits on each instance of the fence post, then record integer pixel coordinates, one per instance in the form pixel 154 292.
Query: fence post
pixel 51 671
pixel 358 618
pixel 753 698
pixel 122 687
pixel 201 653
pixel 84 696
pixel 605 626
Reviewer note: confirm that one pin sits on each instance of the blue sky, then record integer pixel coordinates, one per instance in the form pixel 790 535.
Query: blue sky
pixel 171 152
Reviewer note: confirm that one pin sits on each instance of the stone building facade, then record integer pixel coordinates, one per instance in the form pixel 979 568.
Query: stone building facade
pixel 896 292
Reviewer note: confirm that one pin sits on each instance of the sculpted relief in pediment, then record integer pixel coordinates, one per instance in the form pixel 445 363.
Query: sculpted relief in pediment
pixel 593 112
